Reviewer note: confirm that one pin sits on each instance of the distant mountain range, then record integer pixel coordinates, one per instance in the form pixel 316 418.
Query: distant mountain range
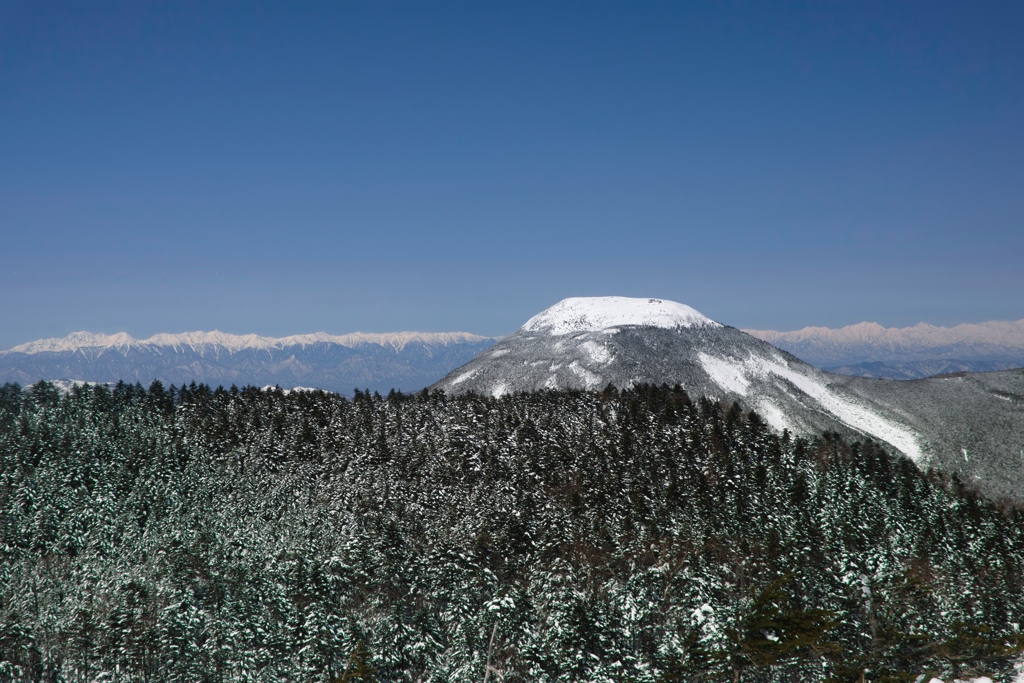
pixel 971 425
pixel 409 361
pixel 406 361
pixel 870 350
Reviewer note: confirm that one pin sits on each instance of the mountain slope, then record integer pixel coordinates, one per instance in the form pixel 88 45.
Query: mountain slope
pixel 868 349
pixel 405 360
pixel 971 424
pixel 922 368
pixel 590 343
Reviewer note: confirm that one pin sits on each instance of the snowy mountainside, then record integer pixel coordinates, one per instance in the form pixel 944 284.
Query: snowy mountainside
pixel 972 424
pixel 920 369
pixel 616 344
pixel 406 361
pixel 608 346
pixel 871 350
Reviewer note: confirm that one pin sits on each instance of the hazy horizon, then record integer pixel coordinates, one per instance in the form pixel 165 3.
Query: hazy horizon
pixel 342 333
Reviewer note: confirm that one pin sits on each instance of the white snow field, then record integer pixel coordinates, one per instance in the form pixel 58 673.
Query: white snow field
pixel 599 313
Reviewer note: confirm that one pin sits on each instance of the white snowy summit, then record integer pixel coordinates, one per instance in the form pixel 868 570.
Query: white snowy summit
pixel 600 313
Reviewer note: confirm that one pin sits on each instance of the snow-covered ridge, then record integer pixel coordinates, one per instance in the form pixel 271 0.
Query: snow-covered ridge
pixel 594 314
pixel 237 342
pixel 1000 332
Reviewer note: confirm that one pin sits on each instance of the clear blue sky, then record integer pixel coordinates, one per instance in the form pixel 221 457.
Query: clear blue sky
pixel 340 166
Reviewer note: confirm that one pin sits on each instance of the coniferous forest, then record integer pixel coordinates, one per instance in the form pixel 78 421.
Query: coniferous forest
pixel 190 534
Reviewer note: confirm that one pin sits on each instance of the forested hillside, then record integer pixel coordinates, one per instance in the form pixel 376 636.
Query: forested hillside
pixel 234 535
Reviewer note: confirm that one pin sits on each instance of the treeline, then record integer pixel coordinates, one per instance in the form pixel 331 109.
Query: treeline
pixel 190 534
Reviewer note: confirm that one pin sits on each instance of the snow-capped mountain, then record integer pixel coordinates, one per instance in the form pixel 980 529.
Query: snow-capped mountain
pixel 871 350
pixel 596 314
pixel 589 343
pixel 403 360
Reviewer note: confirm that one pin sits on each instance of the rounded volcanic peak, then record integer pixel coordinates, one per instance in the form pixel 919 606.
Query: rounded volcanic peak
pixel 599 313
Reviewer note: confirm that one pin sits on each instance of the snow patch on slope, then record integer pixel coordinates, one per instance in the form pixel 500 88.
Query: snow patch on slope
pixel 736 376
pixel 599 313
pixel 590 380
pixel 463 377
pixel 728 374
pixel 852 414
pixel 774 416
pixel 598 353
